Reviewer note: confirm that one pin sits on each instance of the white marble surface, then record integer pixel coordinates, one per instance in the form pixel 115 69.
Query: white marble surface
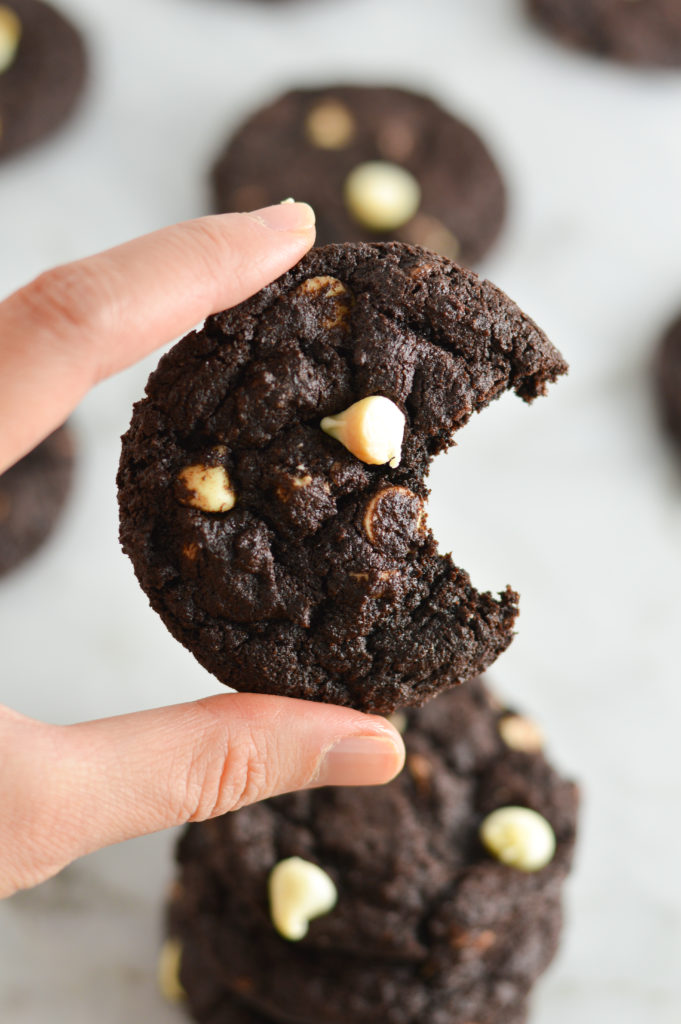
pixel 577 501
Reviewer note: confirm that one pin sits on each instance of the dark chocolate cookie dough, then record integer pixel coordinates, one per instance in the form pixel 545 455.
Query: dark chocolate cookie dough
pixel 667 370
pixel 42 71
pixel 282 560
pixel 375 163
pixel 32 494
pixel 428 924
pixel 638 31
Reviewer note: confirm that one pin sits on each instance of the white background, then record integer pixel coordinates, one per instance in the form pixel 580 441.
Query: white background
pixel 576 502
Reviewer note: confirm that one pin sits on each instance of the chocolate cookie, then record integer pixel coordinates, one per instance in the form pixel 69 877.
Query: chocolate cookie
pixel 273 511
pixel 32 494
pixel 42 71
pixel 401 904
pixel 667 370
pixel 638 31
pixel 375 163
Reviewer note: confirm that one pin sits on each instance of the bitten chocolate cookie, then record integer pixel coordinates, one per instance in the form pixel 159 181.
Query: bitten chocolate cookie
pixel 667 371
pixel 272 488
pixel 375 163
pixel 436 898
pixel 638 31
pixel 42 71
pixel 32 494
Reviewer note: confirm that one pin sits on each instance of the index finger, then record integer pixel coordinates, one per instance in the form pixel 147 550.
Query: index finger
pixel 81 322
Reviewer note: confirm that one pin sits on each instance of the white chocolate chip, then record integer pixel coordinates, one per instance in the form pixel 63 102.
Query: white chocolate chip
pixel 299 891
pixel 330 125
pixel 325 286
pixel 208 488
pixel 10 35
pixel 519 837
pixel 521 733
pixel 372 429
pixel 382 196
pixel 168 971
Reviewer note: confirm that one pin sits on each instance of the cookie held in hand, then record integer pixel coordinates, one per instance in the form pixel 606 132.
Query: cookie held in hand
pixel 272 483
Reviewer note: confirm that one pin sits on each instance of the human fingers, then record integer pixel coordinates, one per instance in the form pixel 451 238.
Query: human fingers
pixel 68 790
pixel 81 322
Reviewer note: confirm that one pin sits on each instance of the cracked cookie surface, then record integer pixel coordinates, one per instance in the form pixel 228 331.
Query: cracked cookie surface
pixel 427 925
pixel 322 579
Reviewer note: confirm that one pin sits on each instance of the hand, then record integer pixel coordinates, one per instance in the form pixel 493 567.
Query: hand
pixel 68 790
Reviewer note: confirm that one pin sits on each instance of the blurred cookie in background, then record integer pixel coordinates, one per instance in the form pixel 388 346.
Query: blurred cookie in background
pixel 667 373
pixel 638 31
pixel 42 72
pixel 32 495
pixel 375 163
pixel 433 900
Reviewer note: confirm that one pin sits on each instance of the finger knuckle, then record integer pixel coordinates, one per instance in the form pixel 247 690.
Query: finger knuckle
pixel 224 775
pixel 68 298
pixel 33 845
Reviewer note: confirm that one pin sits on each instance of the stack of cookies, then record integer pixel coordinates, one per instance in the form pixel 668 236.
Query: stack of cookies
pixel 436 898
pixel 272 489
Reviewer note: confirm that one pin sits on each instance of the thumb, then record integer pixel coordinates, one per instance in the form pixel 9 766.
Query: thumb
pixel 86 786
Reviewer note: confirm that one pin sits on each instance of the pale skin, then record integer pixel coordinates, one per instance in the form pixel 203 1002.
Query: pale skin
pixel 69 790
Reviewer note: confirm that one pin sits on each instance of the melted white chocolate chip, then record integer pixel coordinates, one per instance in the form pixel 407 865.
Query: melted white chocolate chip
pixel 371 512
pixel 372 429
pixel 299 891
pixel 208 488
pixel 328 287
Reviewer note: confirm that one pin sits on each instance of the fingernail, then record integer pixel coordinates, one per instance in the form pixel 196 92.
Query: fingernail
pixel 286 216
pixel 360 761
